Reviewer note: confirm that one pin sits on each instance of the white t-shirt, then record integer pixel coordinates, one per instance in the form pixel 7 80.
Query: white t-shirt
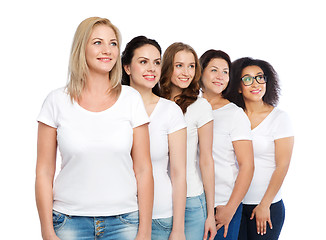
pixel 96 177
pixel 275 126
pixel 166 118
pixel 198 114
pixel 230 124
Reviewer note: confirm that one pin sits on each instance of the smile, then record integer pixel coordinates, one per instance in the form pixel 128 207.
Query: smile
pixel 257 91
pixel 149 77
pixel 184 79
pixel 104 59
pixel 218 83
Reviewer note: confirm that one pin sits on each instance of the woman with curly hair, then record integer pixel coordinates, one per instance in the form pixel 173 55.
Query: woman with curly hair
pixel 179 82
pixel 255 88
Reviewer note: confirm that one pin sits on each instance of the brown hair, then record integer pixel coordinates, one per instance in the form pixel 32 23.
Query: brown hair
pixel 188 95
pixel 78 69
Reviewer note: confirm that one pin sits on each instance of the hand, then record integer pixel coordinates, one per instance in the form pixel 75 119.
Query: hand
pixel 177 235
pixel 262 214
pixel 223 217
pixel 210 227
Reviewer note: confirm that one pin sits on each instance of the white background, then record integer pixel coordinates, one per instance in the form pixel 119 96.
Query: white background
pixel 35 42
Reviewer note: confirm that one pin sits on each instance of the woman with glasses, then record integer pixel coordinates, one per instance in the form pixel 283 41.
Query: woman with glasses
pixel 255 88
pixel 232 146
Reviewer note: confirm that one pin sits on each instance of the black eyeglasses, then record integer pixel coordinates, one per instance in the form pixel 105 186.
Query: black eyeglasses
pixel 249 80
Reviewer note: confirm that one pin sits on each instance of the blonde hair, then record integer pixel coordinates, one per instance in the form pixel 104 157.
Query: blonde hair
pixel 78 68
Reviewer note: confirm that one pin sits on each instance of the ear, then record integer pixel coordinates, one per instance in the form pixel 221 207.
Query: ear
pixel 239 90
pixel 127 69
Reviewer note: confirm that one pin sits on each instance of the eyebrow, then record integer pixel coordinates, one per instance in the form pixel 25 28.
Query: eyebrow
pixel 148 58
pixel 256 74
pixel 113 39
pixel 223 68
pixel 183 62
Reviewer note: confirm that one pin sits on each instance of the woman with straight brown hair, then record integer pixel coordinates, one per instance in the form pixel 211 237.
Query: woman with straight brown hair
pixel 105 186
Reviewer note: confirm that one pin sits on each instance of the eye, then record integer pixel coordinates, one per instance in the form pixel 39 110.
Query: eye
pixel 114 44
pixel 192 66
pixel 226 72
pixel 143 61
pixel 97 43
pixel 246 79
pixel 178 65
pixel 157 63
pixel 213 70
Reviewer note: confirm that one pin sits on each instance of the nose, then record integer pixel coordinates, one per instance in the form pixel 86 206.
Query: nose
pixel 151 67
pixel 185 71
pixel 106 49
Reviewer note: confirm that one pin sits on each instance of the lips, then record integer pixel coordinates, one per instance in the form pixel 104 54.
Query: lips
pixel 218 83
pixel 104 59
pixel 256 91
pixel 149 77
pixel 184 79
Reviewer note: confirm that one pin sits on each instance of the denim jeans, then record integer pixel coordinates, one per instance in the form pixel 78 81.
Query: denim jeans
pixel 195 217
pixel 161 228
pixel 124 226
pixel 248 229
pixel 233 229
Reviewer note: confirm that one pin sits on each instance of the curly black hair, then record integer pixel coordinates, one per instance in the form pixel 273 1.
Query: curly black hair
pixel 272 94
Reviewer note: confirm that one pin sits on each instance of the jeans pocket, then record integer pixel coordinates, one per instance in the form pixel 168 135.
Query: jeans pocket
pixel 129 218
pixel 59 220
pixel 165 223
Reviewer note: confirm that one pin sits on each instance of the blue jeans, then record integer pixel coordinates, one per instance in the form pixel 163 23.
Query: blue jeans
pixel 195 217
pixel 233 229
pixel 161 228
pixel 248 229
pixel 124 226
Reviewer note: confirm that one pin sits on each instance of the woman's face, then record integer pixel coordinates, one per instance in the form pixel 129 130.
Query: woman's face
pixel 145 67
pixel 255 91
pixel 101 50
pixel 215 77
pixel 184 67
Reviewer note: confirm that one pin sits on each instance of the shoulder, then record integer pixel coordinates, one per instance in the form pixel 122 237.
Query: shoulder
pixel 57 95
pixel 169 105
pixel 129 91
pixel 280 115
pixel 201 104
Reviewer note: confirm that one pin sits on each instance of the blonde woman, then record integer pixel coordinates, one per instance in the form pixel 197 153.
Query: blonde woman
pixel 101 130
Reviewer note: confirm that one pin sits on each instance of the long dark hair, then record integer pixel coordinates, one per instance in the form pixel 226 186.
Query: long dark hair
pixel 271 96
pixel 128 54
pixel 188 95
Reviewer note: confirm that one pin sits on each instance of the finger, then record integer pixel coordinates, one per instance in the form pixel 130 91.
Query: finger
pixel 218 226
pixel 263 228
pixel 258 227
pixel 270 223
pixel 226 227
pixel 252 215
pixel 205 235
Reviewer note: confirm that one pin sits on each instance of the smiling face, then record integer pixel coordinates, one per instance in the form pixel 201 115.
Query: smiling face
pixel 183 70
pixel 145 67
pixel 215 77
pixel 256 91
pixel 101 50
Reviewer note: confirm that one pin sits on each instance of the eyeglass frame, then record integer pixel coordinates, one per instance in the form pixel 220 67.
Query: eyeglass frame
pixel 255 77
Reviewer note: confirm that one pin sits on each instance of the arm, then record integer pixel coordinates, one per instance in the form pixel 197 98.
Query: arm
pixel 283 153
pixel 140 154
pixel 206 164
pixel 245 158
pixel 45 170
pixel 178 165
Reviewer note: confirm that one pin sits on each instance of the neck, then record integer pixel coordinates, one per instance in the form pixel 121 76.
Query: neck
pixel 175 91
pixel 97 83
pixel 215 99
pixel 252 107
pixel 146 93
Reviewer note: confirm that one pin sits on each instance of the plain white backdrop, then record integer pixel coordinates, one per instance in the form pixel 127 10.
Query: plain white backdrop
pixel 35 43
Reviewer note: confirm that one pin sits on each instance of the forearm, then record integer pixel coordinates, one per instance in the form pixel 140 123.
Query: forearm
pixel 179 196
pixel 44 202
pixel 274 185
pixel 208 177
pixel 145 186
pixel 241 186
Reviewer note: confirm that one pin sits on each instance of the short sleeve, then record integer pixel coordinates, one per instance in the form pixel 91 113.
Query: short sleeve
pixel 139 115
pixel 205 112
pixel 241 127
pixel 177 120
pixel 48 114
pixel 283 126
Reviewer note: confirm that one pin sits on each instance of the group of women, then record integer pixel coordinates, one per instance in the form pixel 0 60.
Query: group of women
pixel 177 149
